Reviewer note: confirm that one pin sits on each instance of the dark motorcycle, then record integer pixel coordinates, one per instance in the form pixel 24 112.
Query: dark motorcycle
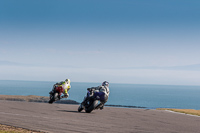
pixel 89 103
pixel 55 94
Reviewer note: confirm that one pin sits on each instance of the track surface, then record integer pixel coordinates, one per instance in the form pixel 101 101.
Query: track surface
pixel 65 119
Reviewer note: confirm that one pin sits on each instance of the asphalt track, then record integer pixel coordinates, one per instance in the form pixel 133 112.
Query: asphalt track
pixel 64 118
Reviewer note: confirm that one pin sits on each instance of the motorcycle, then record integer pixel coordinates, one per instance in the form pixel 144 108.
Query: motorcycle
pixel 55 94
pixel 89 103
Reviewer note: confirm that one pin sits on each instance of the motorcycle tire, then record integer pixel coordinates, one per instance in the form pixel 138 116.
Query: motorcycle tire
pixel 53 98
pixel 80 108
pixel 91 107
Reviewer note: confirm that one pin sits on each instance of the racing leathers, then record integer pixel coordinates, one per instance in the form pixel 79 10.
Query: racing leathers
pixel 103 92
pixel 66 87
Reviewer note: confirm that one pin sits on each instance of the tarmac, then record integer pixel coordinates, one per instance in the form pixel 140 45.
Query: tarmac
pixel 64 118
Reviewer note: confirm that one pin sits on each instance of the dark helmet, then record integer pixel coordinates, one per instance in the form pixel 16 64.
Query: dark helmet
pixel 105 83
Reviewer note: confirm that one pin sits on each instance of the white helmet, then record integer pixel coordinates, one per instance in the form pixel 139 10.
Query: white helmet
pixel 68 81
pixel 105 83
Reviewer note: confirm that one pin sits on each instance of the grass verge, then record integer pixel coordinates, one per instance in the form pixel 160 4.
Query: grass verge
pixel 11 129
pixel 185 111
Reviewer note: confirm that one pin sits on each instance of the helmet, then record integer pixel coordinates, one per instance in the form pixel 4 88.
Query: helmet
pixel 105 83
pixel 67 80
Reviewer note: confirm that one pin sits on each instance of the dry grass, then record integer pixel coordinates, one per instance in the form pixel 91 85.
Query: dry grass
pixel 11 129
pixel 185 111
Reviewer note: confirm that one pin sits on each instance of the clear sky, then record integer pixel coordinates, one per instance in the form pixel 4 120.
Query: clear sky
pixel 122 41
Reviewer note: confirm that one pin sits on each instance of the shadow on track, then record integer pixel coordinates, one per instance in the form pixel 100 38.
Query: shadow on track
pixel 70 111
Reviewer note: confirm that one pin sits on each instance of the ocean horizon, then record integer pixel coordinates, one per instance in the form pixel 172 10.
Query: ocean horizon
pixel 124 95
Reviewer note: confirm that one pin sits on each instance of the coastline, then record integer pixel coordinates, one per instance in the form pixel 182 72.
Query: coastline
pixel 133 96
pixel 34 98
pixel 44 99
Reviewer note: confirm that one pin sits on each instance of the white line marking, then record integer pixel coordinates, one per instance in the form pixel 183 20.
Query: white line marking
pixel 182 113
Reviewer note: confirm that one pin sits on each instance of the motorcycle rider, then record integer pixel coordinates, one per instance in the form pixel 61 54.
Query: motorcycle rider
pixel 103 92
pixel 65 85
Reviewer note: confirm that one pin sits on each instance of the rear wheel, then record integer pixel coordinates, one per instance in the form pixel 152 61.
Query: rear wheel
pixel 80 108
pixel 53 98
pixel 91 106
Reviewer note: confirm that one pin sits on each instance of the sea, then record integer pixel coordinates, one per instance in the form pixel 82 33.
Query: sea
pixel 121 95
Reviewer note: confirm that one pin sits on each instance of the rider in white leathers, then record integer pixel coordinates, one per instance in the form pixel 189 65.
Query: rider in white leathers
pixel 101 91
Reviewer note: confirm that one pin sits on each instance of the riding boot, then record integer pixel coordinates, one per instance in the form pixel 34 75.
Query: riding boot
pixel 65 96
pixel 100 106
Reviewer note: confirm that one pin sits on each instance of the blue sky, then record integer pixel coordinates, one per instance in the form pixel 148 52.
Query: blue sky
pixel 122 41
